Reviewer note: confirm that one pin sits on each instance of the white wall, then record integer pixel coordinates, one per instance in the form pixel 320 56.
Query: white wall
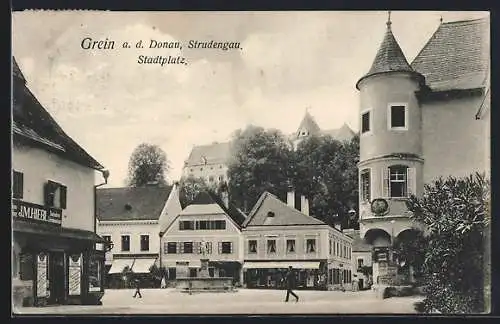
pixel 39 166
pixel 230 234
pixel 134 229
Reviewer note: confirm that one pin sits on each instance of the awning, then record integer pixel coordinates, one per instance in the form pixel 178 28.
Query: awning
pixel 281 265
pixel 142 265
pixel 119 264
pixel 22 226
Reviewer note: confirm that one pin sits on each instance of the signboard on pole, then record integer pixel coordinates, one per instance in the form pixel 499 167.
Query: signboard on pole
pixel 41 275
pixel 75 271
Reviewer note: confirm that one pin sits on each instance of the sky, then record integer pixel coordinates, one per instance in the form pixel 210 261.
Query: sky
pixel 288 61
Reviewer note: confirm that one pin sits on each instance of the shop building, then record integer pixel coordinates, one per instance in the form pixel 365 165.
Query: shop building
pixel 57 257
pixel 420 121
pixel 208 228
pixel 130 220
pixel 276 235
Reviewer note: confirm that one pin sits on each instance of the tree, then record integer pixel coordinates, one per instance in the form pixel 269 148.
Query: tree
pixel 456 215
pixel 260 162
pixel 189 188
pixel 326 171
pixel 148 164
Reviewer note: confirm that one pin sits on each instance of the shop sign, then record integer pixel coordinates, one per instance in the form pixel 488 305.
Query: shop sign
pixel 75 270
pixel 41 278
pixel 29 211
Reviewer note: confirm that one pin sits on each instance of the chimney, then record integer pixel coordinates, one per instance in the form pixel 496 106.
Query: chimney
pixel 304 205
pixel 290 197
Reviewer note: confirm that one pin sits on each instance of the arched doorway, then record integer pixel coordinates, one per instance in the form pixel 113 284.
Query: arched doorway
pixel 377 237
pixel 410 247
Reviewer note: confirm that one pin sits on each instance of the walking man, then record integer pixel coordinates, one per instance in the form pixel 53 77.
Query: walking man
pixel 137 284
pixel 290 284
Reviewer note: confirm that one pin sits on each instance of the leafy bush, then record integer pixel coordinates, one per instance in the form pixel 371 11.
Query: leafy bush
pixel 456 215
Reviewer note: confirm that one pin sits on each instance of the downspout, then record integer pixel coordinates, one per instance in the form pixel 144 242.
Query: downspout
pixel 105 175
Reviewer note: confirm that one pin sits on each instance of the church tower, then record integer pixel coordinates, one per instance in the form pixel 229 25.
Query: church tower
pixel 391 163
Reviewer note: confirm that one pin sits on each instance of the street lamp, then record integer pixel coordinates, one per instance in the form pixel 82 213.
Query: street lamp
pixel 105 175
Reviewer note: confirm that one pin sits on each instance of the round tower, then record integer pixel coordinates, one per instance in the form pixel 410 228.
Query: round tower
pixel 391 163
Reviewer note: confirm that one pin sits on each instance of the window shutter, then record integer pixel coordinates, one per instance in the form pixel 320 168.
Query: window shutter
pixel 178 247
pixel 385 182
pixel 411 181
pixel 230 247
pixel 47 193
pixel 63 196
pixel 219 247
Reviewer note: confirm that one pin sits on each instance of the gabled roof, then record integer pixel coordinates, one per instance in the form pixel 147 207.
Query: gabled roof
pixel 122 204
pixel 344 133
pixel 16 71
pixel 389 58
pixel 309 124
pixel 456 57
pixel 171 209
pixel 283 214
pixel 208 204
pixel 214 153
pixel 31 118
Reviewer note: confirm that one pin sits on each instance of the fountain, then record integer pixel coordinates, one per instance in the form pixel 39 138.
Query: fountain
pixel 203 282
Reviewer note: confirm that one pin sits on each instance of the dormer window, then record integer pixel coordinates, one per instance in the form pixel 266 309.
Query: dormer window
pixel 128 207
pixel 270 214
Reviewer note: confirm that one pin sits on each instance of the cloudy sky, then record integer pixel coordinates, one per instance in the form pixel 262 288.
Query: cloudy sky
pixel 109 103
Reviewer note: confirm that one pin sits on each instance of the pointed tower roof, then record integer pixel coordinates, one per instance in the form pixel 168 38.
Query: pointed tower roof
pixel 389 58
pixel 308 123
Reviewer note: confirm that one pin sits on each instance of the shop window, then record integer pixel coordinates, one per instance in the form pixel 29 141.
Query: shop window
pixel 193 272
pixel 95 277
pixel 171 247
pixel 211 272
pixel 398 117
pixel 17 185
pixel 55 195
pixel 365 122
pixel 365 185
pixel 290 246
pixel 311 245
pixel 252 246
pixel 186 225
pixel 125 243
pixel 26 266
pixel 144 242
pixel 187 247
pixel 271 246
pixel 172 273
pixel 225 247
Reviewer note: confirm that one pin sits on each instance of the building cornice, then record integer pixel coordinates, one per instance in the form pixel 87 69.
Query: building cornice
pixel 128 222
pixel 392 157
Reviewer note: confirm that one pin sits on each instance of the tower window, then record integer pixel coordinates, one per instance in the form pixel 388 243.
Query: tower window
pixel 365 185
pixel 365 122
pixel 398 181
pixel 398 116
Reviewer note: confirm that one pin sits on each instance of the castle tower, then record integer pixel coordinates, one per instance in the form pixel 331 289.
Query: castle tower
pixel 391 164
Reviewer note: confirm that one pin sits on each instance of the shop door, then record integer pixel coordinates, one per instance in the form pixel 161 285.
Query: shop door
pixel 57 278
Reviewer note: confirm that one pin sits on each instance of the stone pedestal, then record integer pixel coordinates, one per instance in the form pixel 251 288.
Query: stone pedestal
pixel 204 269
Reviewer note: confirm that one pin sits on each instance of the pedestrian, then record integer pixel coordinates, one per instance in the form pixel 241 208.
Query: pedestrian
pixel 137 284
pixel 290 284
pixel 163 283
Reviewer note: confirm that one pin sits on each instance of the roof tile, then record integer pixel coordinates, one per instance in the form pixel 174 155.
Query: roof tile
pixel 456 57
pixel 146 203
pixel 283 214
